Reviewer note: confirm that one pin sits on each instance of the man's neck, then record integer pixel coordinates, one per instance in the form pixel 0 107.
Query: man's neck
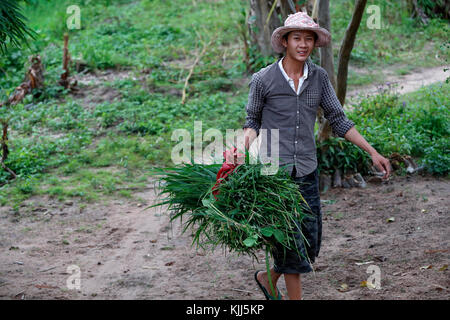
pixel 293 68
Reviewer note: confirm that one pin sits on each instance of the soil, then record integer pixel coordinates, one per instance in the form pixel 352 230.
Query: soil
pixel 124 251
pixel 121 251
pixel 400 84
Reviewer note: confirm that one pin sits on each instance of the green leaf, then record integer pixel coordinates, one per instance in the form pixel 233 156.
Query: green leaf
pixel 206 202
pixel 267 231
pixel 250 241
pixel 278 235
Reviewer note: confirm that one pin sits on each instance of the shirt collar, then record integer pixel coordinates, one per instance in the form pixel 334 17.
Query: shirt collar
pixel 305 70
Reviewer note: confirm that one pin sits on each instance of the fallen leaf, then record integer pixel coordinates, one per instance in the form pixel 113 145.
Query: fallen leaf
pixel 153 241
pixel 366 284
pixel 169 263
pixel 150 267
pixel 45 286
pixel 423 210
pixel 380 258
pixel 167 248
pixel 436 251
pixel 362 263
pixel 391 219
pixel 444 267
pixel 343 287
pixel 370 285
pixel 426 267
pixel 321 268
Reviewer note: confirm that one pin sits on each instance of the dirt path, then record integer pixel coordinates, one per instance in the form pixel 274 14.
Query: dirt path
pixel 124 252
pixel 407 83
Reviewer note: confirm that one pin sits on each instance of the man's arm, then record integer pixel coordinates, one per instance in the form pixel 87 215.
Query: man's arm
pixel 345 128
pixel 254 110
pixel 378 160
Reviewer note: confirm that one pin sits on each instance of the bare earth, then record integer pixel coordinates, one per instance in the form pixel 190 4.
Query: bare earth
pixel 402 84
pixel 125 252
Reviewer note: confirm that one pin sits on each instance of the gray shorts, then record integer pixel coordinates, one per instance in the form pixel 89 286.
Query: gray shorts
pixel 289 261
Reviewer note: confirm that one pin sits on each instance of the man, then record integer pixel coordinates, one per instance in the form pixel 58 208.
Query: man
pixel 285 96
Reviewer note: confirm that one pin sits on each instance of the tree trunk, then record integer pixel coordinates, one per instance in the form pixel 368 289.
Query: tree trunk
pixel 326 58
pixel 260 33
pixel 285 9
pixel 326 61
pixel 346 49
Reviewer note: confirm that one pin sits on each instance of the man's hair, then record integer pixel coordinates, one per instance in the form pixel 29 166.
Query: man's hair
pixel 285 37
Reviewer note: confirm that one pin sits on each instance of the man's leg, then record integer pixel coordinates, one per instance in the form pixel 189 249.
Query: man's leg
pixel 293 265
pixel 308 186
pixel 292 280
pixel 293 285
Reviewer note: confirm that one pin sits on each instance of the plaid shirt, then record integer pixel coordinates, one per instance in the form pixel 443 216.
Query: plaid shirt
pixel 272 104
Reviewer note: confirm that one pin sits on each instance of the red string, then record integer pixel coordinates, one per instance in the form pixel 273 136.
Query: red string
pixel 227 168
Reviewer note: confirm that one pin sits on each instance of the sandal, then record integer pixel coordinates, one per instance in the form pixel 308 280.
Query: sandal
pixel 264 290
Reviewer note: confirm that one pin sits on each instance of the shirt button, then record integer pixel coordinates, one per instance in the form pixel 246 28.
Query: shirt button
pixel 295 141
pixel 297 127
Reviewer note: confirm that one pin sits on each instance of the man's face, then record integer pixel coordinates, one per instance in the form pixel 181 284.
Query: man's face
pixel 300 44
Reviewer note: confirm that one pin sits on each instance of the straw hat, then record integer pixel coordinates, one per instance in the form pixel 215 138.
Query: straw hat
pixel 299 21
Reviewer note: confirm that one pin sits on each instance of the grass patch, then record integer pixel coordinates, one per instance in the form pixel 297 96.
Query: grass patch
pixel 63 148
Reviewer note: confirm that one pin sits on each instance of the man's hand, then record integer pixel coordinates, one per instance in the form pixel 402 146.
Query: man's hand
pixel 249 136
pixel 382 164
pixel 232 156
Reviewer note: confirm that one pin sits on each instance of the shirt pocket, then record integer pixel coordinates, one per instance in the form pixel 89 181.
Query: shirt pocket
pixel 312 98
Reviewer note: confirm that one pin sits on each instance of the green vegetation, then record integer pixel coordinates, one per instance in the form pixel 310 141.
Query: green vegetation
pixel 416 124
pixel 401 39
pixel 65 145
pixel 250 211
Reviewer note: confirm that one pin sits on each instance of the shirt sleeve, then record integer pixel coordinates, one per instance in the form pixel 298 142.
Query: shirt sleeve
pixel 255 104
pixel 333 110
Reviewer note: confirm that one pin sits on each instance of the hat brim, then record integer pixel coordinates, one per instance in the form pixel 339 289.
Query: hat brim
pixel 323 36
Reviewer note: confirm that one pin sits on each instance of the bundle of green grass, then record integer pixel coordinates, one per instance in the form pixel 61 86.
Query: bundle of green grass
pixel 251 211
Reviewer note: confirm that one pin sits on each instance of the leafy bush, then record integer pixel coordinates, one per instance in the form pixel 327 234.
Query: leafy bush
pixel 337 153
pixel 25 159
pixel 437 157
pixel 418 126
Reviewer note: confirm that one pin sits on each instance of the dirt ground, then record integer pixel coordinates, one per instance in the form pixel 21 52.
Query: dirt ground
pixel 125 252
pixel 118 250
pixel 401 84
